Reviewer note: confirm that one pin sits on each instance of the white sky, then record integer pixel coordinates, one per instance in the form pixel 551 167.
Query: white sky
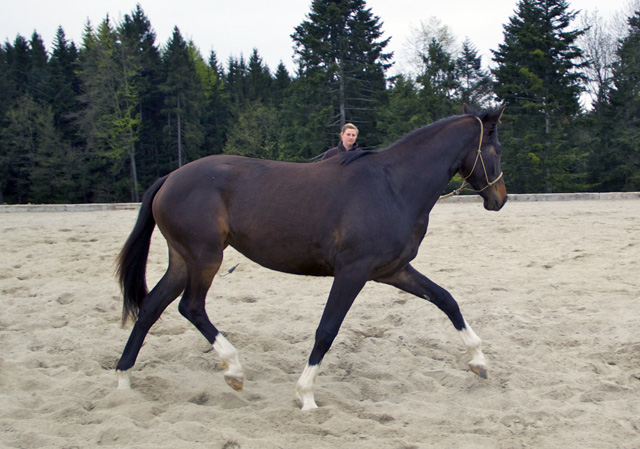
pixel 235 28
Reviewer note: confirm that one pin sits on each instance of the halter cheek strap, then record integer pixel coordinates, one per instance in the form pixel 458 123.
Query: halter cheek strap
pixel 484 167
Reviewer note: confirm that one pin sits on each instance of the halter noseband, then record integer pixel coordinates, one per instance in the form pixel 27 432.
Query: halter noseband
pixel 484 167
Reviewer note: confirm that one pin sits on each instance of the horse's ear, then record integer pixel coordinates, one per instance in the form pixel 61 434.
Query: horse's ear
pixel 468 109
pixel 492 119
pixel 495 115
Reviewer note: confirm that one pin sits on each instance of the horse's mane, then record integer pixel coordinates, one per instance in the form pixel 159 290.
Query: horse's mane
pixel 350 156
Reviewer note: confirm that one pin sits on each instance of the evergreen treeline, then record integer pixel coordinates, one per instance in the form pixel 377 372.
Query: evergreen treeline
pixel 100 121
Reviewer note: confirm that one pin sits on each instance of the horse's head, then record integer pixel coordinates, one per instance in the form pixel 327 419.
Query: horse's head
pixel 481 166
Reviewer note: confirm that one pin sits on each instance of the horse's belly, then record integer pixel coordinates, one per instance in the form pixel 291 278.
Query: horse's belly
pixel 286 260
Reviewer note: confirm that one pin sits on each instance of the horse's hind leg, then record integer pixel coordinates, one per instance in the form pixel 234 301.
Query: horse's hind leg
pixel 166 290
pixel 411 281
pixel 192 307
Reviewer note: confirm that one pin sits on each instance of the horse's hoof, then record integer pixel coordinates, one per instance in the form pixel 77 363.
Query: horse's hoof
pixel 309 406
pixel 307 401
pixel 235 382
pixel 480 370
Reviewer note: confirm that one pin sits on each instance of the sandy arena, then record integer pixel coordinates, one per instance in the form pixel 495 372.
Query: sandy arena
pixel 551 287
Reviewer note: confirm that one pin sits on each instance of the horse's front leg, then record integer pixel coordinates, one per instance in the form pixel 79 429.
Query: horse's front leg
pixel 411 281
pixel 346 287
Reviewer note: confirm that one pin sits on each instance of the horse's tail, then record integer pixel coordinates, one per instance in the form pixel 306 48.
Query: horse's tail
pixel 132 260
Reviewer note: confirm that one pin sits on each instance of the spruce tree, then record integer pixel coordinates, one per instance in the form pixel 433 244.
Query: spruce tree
pixel 139 47
pixel 259 80
pixel 39 58
pixel 538 76
pixel 217 109
pixel 64 87
pixel 254 123
pixel 37 166
pixel 341 60
pixel 255 132
pixel 183 102
pixel 615 163
pixel 404 112
pixel 6 84
pixel 110 115
pixel 475 84
pixel 281 82
pixel 236 87
pixel 19 67
pixel 439 84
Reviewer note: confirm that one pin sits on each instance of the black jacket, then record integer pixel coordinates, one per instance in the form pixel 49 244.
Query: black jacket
pixel 337 150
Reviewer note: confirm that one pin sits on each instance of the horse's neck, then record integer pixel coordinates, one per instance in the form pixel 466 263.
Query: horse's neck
pixel 424 164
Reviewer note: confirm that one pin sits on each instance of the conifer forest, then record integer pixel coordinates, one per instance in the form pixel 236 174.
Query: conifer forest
pixel 99 120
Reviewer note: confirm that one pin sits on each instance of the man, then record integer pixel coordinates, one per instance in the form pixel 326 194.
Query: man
pixel 348 137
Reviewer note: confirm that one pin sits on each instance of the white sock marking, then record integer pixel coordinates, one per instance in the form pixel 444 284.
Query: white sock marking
pixel 305 385
pixel 229 356
pixel 124 379
pixel 473 345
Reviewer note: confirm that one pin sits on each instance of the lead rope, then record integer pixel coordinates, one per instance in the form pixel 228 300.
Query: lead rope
pixel 486 175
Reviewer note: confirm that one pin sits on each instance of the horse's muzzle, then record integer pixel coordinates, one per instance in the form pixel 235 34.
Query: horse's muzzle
pixel 495 197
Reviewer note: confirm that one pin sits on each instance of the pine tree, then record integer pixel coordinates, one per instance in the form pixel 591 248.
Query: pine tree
pixel 37 166
pixel 475 84
pixel 184 98
pixel 405 111
pixel 538 76
pixel 255 133
pixel 110 116
pixel 217 110
pixel 19 66
pixel 281 83
pixel 616 159
pixel 38 69
pixel 14 69
pixel 236 84
pixel 254 127
pixel 259 81
pixel 6 84
pixel 64 87
pixel 139 47
pixel 439 84
pixel 340 55
pixel 35 163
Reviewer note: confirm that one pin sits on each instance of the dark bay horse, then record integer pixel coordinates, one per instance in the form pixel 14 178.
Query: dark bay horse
pixel 357 217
